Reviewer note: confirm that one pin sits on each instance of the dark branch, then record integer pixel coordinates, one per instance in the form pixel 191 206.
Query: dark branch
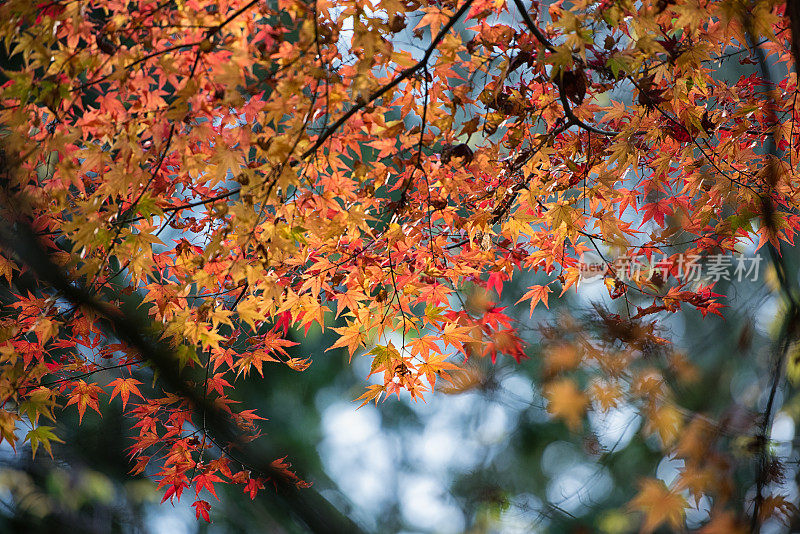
pixel 526 18
pixel 404 75
pixel 17 238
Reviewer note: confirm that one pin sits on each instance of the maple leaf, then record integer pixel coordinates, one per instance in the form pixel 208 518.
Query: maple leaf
pixel 778 506
pixel 298 364
pixel 206 481
pixel 280 465
pixel 423 346
pixel 437 366
pixel 657 211
pixel 373 393
pixel 6 269
pixel 537 294
pixel 659 505
pixel 42 435
pixel 466 379
pixel 8 425
pixel 566 401
pixel 495 282
pixel 217 383
pixel 666 420
pixel 202 509
pixel 456 335
pixel 697 481
pixel 563 215
pixel 434 294
pixel 252 486
pixel 505 341
pixel 84 395
pixel 124 387
pixel 350 337
pixel 562 357
pixel 174 491
pixel 39 402
pixel 255 359
pixel 607 395
pixel 384 357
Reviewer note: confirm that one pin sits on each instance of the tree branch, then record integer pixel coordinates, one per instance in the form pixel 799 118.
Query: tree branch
pixel 18 238
pixel 526 18
pixel 791 322
pixel 404 75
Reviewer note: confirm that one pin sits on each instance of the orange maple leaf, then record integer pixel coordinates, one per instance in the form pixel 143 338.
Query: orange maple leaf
pixel 85 395
pixel 537 294
pixel 124 387
pixel 350 337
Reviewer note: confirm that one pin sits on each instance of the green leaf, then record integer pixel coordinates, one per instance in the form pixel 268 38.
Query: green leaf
pixel 186 354
pixel 383 356
pixel 39 402
pixel 147 207
pixel 616 65
pixel 42 435
pixel 434 313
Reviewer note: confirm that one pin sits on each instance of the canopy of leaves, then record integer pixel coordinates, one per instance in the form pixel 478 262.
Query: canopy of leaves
pixel 240 170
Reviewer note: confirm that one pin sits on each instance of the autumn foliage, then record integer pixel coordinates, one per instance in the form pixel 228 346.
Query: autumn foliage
pixel 240 170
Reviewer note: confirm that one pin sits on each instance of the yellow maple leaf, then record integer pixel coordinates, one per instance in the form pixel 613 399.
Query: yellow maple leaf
pixel 667 421
pixel 466 379
pixel 660 505
pixel 374 393
pixel 566 401
pixel 562 357
pixel 606 394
